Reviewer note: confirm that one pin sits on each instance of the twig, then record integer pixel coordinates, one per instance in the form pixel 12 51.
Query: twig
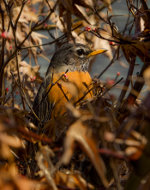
pixel 31 136
pixel 112 153
pixel 43 159
pixel 18 17
pixel 25 98
pixel 2 54
pixel 49 43
pixel 137 86
pixel 19 80
pixel 11 22
pixel 65 95
pixel 112 86
pixel 114 167
pixel 32 29
pixel 111 62
pixel 16 55
pixel 80 99
pixel 127 82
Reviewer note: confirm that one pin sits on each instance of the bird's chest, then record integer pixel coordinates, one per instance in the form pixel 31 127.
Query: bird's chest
pixel 69 87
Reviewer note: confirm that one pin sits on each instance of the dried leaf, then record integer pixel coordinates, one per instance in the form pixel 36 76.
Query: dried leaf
pixel 133 153
pixel 86 3
pixel 36 38
pixel 147 76
pixel 46 165
pixel 81 134
pixel 10 179
pixel 67 4
pixel 71 180
pixel 11 141
pixel 80 12
pixel 99 44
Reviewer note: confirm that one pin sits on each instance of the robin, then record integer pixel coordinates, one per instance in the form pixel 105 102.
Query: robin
pixel 67 80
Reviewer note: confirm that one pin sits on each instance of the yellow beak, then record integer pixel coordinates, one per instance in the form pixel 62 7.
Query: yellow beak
pixel 99 51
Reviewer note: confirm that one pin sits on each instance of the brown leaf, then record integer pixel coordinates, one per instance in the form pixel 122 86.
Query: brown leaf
pixel 10 140
pixel 72 180
pixel 46 165
pixel 81 134
pixel 80 12
pixel 68 5
pixel 147 76
pixel 86 3
pixel 36 38
pixel 10 179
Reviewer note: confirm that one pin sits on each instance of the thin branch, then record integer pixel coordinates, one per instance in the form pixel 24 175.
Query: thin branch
pixel 18 17
pixel 49 43
pixel 16 55
pixel 138 85
pixel 112 86
pixel 32 29
pixel 127 82
pixel 11 22
pixel 80 99
pixel 25 97
pixel 19 80
pixel 2 53
pixel 65 95
pixel 111 62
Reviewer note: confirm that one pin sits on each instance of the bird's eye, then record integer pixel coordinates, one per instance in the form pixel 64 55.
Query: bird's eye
pixel 80 52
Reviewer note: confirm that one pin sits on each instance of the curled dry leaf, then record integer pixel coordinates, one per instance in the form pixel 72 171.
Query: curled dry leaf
pixel 28 76
pixel 75 112
pixel 66 8
pixel 72 180
pixel 82 135
pixel 5 152
pixel 87 3
pixel 147 76
pixel 80 11
pixel 45 164
pixel 27 70
pixel 103 44
pixel 10 140
pixel 26 15
pixel 37 38
pixel 133 153
pixel 10 179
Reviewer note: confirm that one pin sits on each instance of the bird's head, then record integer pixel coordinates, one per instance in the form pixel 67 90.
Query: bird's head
pixel 72 57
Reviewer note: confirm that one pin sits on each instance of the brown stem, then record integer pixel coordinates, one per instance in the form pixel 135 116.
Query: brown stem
pixel 127 82
pixel 18 17
pixel 2 54
pixel 20 84
pixel 138 85
pixel 112 86
pixel 111 62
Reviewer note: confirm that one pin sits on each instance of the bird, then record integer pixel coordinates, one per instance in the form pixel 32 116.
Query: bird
pixel 67 80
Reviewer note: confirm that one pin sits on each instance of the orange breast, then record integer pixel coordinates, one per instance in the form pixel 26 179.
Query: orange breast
pixel 71 87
